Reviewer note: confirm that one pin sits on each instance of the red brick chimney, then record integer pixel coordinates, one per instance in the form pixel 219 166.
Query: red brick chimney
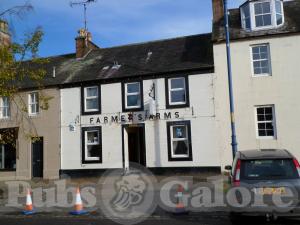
pixel 84 43
pixel 5 38
pixel 218 10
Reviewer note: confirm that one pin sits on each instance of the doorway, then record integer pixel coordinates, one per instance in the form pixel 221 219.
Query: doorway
pixel 134 144
pixel 37 158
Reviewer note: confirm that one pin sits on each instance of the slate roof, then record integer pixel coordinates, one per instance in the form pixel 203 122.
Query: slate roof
pixel 291 25
pixel 163 57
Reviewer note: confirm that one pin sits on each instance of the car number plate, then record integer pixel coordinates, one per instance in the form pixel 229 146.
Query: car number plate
pixel 271 191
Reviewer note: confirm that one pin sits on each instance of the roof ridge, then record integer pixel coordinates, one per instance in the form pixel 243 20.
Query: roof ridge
pixel 153 41
pixel 49 57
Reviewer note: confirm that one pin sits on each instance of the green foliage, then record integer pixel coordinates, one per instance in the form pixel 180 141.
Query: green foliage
pixel 15 66
pixel 19 63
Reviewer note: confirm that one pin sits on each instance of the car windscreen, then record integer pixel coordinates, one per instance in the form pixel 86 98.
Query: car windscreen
pixel 264 169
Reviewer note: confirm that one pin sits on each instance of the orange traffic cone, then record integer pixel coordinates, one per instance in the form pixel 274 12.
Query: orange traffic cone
pixel 29 210
pixel 180 207
pixel 78 208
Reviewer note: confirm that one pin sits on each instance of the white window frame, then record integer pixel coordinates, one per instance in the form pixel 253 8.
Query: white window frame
pixel 4 108
pixel 176 89
pixel 253 26
pixel 266 121
pixel 263 14
pixel 35 103
pixel 87 158
pixel 126 94
pixel 269 60
pixel 91 97
pixel 243 18
pixel 180 139
pixel 282 13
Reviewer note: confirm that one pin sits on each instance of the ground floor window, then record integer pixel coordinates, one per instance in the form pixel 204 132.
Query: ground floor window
pixel 179 141
pixel 91 145
pixel 8 142
pixel 7 157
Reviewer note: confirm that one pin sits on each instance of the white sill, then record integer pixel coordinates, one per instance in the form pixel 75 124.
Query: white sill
pixel 91 110
pixel 263 28
pixel 266 138
pixel 92 159
pixel 133 107
pixel 179 156
pixel 5 118
pixel 267 27
pixel 262 75
pixel 33 114
pixel 178 103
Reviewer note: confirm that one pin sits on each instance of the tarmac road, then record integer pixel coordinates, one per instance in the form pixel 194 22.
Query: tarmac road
pixel 172 220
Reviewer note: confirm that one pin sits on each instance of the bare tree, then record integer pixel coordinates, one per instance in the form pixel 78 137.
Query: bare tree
pixel 18 11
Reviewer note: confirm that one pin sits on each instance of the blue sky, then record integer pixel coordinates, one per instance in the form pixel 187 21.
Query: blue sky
pixel 112 22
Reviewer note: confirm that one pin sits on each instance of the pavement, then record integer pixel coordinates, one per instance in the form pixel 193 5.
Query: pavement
pixel 60 215
pixel 95 182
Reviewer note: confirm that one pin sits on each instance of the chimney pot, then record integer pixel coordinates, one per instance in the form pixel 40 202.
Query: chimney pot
pixel 84 43
pixel 218 10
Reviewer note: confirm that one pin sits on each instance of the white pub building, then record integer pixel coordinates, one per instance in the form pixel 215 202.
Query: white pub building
pixel 149 103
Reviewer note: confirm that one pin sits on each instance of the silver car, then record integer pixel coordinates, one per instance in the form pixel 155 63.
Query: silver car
pixel 264 182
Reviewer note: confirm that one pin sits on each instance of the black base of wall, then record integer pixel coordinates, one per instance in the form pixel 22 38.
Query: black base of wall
pixel 155 170
pixel 78 173
pixel 184 170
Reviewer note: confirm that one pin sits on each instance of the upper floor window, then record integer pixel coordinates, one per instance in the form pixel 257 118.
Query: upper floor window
pixel 177 92
pixel 261 60
pixel 33 103
pixel 91 99
pixel 4 107
pixel 262 14
pixel 132 96
pixel 246 17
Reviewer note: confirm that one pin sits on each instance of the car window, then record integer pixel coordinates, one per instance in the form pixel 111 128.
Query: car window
pixel 268 169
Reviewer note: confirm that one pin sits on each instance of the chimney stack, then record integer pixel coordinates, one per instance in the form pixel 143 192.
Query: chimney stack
pixel 5 38
pixel 84 43
pixel 218 10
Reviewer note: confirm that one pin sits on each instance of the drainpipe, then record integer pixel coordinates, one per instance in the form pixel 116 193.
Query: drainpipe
pixel 231 99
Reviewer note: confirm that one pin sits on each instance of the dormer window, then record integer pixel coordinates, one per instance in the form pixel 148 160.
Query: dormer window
pixel 264 14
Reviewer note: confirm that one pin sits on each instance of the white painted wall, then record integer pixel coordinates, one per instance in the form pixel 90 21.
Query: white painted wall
pixel 201 114
pixel 281 89
pixel 71 141
pixel 203 130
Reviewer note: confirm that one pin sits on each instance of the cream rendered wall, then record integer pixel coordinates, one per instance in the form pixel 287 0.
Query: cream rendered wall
pixel 203 129
pixel 281 89
pixel 201 114
pixel 70 141
pixel 111 133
